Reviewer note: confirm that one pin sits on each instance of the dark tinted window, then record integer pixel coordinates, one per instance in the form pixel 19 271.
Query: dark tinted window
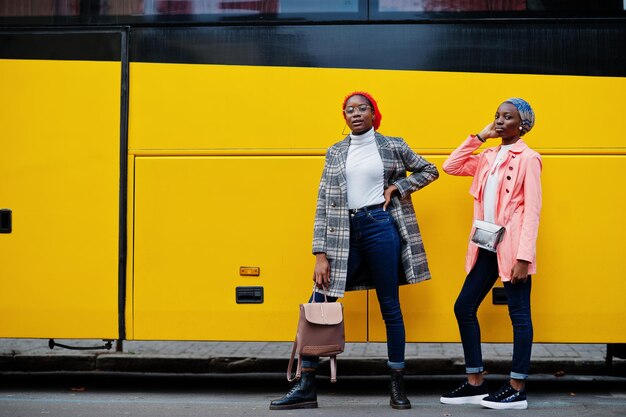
pixel 224 7
pixel 451 7
pixel 39 8
pixel 209 11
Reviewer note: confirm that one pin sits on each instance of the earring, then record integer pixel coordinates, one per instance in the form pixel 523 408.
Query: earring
pixel 520 128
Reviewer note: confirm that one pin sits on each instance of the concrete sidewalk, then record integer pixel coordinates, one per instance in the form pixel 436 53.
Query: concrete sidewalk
pixel 34 355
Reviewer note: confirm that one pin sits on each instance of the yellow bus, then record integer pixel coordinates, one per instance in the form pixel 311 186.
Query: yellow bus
pixel 159 160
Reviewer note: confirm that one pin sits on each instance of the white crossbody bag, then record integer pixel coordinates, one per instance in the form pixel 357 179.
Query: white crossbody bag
pixel 487 235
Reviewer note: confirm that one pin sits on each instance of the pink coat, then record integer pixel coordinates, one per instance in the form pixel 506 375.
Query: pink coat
pixel 518 199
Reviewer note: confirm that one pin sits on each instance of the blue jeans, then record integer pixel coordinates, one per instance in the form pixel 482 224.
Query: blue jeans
pixel 477 285
pixel 375 249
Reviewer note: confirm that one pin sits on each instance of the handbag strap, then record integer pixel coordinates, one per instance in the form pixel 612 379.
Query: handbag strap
pixel 333 368
pixel 298 375
pixel 291 378
pixel 325 295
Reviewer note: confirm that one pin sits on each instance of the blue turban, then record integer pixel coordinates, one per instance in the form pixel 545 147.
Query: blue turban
pixel 526 113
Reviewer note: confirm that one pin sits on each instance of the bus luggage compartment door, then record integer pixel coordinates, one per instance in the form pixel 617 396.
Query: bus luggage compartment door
pixel 205 226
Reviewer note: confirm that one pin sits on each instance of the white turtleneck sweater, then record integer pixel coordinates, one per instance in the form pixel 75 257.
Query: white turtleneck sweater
pixel 364 171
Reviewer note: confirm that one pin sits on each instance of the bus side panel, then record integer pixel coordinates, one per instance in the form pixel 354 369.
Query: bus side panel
pixel 578 291
pixel 181 109
pixel 198 220
pixel 188 107
pixel 59 167
pixel 578 295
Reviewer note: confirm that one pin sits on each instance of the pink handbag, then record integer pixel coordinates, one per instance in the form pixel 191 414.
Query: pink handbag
pixel 320 333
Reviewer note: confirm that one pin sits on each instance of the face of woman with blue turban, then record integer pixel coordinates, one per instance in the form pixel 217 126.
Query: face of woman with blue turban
pixel 525 112
pixel 507 123
pixel 514 118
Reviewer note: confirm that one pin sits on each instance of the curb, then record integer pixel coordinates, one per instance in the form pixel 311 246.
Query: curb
pixel 232 365
pixel 26 363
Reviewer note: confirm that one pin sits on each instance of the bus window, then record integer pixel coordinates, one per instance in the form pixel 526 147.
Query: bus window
pixel 449 5
pixel 185 7
pixel 151 11
pixel 225 7
pixel 15 8
pixel 497 5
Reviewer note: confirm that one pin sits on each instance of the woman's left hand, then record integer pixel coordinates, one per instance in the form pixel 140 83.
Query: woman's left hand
pixel 519 272
pixel 387 194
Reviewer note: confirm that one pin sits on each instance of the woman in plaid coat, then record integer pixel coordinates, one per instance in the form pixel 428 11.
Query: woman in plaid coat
pixel 365 234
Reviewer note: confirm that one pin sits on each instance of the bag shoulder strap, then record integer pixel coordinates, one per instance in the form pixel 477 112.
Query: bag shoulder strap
pixel 333 368
pixel 333 358
pixel 298 375
pixel 291 378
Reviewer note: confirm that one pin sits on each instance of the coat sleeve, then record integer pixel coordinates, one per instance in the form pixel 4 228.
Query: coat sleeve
pixel 321 221
pixel 461 161
pixel 532 208
pixel 422 171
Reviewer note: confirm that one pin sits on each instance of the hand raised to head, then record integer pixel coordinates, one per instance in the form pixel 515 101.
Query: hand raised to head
pixel 489 132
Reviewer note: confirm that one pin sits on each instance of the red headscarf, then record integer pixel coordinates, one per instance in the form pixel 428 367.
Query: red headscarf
pixel 377 114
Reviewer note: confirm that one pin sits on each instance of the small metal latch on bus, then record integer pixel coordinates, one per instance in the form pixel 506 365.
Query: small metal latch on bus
pixel 249 295
pixel 498 296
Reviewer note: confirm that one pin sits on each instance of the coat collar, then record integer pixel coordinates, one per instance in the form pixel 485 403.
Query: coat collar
pixel 518 147
pixel 381 140
pixel 344 145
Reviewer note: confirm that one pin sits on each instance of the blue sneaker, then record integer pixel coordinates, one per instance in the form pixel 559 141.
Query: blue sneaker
pixel 507 398
pixel 466 394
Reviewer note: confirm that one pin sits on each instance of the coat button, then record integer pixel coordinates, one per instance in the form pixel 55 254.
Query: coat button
pixel 507 190
pixel 512 156
pixel 508 177
pixel 332 229
pixel 510 168
pixel 333 204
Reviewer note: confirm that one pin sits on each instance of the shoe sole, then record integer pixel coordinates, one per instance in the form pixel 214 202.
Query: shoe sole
pixel 298 406
pixel 474 399
pixel 399 406
pixel 517 405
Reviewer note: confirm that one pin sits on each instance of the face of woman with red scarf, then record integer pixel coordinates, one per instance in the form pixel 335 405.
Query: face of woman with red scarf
pixel 359 114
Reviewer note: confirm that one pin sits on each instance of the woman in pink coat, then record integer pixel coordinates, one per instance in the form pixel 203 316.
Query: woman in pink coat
pixel 507 192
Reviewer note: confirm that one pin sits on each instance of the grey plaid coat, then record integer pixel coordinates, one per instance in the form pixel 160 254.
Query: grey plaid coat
pixel 332 221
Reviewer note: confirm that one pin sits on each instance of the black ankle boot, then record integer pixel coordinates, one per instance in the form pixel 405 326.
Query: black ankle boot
pixel 301 395
pixel 398 395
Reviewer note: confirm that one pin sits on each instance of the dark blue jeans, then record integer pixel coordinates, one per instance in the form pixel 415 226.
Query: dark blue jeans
pixel 375 249
pixel 477 285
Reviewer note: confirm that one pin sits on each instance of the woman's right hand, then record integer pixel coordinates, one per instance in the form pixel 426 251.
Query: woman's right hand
pixel 321 273
pixel 489 131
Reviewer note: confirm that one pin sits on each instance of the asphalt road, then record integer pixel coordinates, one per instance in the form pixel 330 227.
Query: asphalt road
pixel 154 395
